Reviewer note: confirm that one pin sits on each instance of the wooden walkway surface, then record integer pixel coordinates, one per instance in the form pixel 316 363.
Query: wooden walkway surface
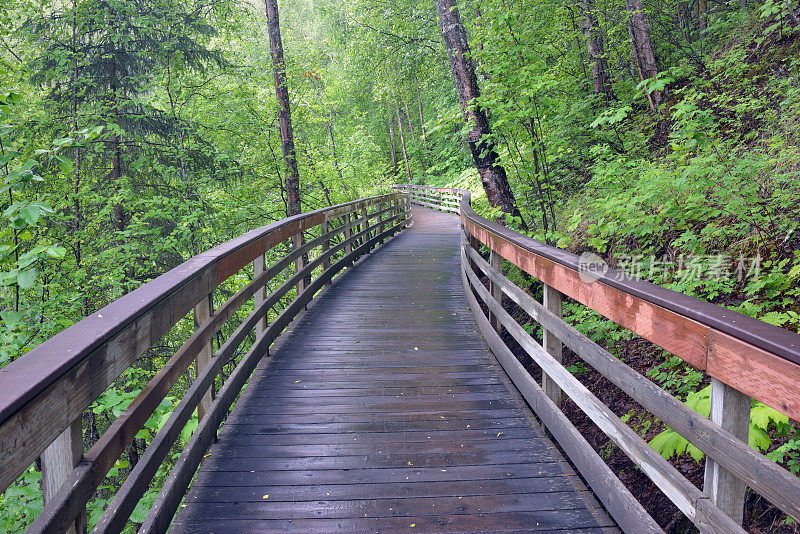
pixel 383 411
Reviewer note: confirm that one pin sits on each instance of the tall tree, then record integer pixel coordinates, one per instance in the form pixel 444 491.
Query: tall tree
pixel 333 146
pixel 392 148
pixel 421 117
pixel 601 79
pixel 402 141
pixel 478 137
pixel 641 49
pixel 285 112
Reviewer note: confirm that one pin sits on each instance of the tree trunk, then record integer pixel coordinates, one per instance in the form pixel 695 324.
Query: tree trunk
pixel 643 56
pixel 333 146
pixel 116 156
pixel 76 177
pixel 392 147
pixel 408 116
pixel 285 112
pixel 422 119
pixel 601 80
pixel 478 137
pixel 702 15
pixel 402 141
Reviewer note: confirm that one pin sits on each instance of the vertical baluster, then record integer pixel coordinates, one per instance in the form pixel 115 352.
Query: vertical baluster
pixel 259 266
pixel 496 261
pixel 364 225
pixel 326 246
pixel 730 409
pixel 553 345
pixel 297 242
pixel 58 461
pixel 349 231
pixel 202 313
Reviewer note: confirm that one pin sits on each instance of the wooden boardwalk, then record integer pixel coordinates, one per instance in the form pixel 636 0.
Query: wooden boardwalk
pixel 383 411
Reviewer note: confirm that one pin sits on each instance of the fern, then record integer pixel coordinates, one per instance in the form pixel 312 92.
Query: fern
pixel 669 443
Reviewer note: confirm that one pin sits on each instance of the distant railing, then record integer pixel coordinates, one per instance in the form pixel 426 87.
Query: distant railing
pixel 746 358
pixel 44 394
pixel 432 197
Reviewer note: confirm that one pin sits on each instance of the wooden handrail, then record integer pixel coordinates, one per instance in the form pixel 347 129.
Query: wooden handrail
pixel 42 393
pixel 745 358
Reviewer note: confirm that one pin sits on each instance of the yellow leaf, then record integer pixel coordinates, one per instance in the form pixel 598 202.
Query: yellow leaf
pixel 265 496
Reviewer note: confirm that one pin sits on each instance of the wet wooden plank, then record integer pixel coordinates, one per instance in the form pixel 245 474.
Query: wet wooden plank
pixel 541 521
pixel 384 408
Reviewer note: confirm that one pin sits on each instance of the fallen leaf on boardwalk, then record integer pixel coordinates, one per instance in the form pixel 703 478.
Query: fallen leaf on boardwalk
pixel 413 525
pixel 207 455
pixel 416 348
pixel 409 463
pixel 265 496
pixel 296 381
pixel 498 434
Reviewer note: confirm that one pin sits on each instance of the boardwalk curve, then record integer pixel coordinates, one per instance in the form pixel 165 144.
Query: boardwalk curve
pixel 382 410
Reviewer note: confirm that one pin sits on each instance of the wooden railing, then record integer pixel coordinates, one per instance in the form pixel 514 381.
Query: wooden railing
pixel 44 394
pixel 432 197
pixel 745 359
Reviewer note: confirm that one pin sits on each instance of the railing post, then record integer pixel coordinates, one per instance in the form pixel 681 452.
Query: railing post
pixel 202 313
pixel 474 243
pixel 58 461
pixel 364 225
pixel 382 218
pixel 349 231
pixel 326 246
pixel 496 261
pixel 730 409
pixel 553 345
pixel 297 242
pixel 259 266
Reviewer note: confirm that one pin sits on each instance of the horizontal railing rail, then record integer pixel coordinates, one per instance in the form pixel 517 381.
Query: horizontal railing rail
pixel 746 359
pixel 44 394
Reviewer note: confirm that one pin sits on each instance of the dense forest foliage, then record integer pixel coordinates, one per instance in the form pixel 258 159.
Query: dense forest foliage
pixel 662 136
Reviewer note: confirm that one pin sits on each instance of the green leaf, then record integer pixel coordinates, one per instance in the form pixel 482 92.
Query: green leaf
pixel 761 416
pixel 759 439
pixel 26 279
pixel 10 317
pixel 669 443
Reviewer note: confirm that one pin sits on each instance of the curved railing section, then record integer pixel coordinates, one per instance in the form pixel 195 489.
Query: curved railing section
pixel 433 197
pixel 746 358
pixel 44 394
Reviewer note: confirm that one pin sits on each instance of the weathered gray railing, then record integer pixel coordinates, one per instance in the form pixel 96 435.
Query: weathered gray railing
pixel 746 359
pixel 432 197
pixel 44 394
